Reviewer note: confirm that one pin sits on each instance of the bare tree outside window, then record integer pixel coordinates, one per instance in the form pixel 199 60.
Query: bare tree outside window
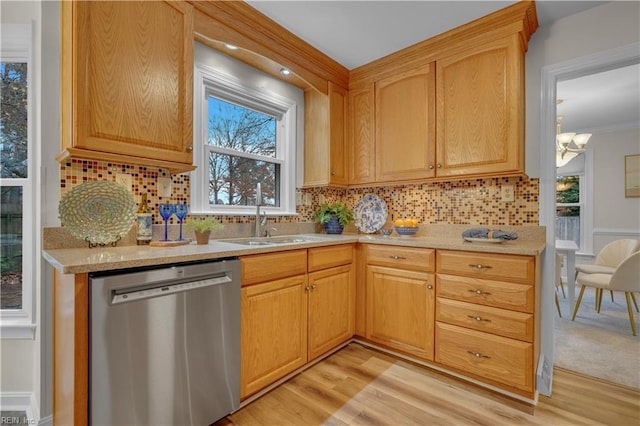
pixel 243 149
pixel 13 166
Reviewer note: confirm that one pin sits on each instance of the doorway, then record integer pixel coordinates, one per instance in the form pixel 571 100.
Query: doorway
pixel 551 76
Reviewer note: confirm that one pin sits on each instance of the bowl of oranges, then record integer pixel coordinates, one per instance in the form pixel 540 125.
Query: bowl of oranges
pixel 406 226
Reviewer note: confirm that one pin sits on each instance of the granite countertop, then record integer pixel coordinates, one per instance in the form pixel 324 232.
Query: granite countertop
pixel 531 241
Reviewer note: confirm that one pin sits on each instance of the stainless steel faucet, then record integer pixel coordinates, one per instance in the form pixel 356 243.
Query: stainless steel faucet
pixel 260 221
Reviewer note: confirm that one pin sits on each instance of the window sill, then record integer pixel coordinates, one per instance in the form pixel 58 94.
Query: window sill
pixel 17 331
pixel 229 213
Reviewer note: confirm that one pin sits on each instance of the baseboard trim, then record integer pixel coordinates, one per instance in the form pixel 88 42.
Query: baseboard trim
pixel 20 401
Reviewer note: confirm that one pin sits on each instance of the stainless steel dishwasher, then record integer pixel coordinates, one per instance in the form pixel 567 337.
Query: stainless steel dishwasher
pixel 165 344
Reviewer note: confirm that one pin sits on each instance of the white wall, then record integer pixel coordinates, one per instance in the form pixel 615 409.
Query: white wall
pixel 27 364
pixel 594 31
pixel 614 215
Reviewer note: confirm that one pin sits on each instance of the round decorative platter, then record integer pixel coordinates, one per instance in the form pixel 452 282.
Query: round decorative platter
pixel 99 212
pixel 370 213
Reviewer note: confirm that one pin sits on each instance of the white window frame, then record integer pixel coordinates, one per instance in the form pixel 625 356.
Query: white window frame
pixel 211 82
pixel 16 46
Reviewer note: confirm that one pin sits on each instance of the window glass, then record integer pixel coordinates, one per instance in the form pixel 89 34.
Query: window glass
pixel 568 206
pixel 242 151
pixel 13 168
pixel 13 120
pixel 11 247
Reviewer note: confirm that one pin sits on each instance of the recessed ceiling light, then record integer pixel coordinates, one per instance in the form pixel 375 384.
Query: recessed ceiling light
pixel 284 71
pixel 231 46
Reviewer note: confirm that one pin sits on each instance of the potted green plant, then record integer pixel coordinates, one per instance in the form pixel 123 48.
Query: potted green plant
pixel 334 217
pixel 202 227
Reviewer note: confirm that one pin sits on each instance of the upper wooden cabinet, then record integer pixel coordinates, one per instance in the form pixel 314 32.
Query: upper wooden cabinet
pixel 449 107
pixel 325 152
pixel 127 82
pixel 361 133
pixel 405 125
pixel 480 127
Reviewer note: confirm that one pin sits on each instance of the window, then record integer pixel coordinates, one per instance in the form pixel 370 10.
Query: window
pixel 569 206
pixel 17 233
pixel 242 137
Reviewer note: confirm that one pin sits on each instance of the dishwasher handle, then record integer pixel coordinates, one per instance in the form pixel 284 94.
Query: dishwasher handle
pixel 131 295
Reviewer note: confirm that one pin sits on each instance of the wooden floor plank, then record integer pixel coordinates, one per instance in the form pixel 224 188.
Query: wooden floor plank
pixel 361 386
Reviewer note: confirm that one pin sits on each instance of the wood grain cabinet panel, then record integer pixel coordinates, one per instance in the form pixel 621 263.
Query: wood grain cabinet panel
pixel 409 258
pixel 405 125
pixel 510 268
pixel 362 133
pixel 502 322
pixel 127 82
pixel 331 308
pixel 400 310
pixel 273 331
pixel 503 360
pixel 262 267
pixel 326 154
pixel 480 112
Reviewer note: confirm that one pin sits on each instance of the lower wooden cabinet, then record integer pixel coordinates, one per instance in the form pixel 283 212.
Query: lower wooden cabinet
pixel 274 331
pixel 400 300
pixel 292 318
pixel 486 317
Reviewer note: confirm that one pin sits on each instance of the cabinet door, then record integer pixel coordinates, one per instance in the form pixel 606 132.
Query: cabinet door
pixel 325 152
pixel 331 309
pixel 128 79
pixel 400 310
pixel 405 125
pixel 481 110
pixel 362 131
pixel 274 332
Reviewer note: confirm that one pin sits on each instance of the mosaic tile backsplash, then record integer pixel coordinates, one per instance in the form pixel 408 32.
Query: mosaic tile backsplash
pixel 473 201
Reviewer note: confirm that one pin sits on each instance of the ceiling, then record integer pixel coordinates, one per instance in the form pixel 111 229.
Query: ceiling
pixel 357 32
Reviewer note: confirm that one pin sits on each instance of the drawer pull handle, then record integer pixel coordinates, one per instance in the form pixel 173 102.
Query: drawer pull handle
pixel 480 292
pixel 478 354
pixel 430 287
pixel 480 266
pixel 478 318
pixel 396 257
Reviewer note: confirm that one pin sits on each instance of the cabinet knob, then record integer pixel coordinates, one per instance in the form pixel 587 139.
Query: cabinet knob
pixel 478 354
pixel 190 148
pixel 333 172
pixel 430 287
pixel 439 165
pixel 307 288
pixel 480 266
pixel 477 318
pixel 396 257
pixel 313 286
pixel 479 292
pixel 430 166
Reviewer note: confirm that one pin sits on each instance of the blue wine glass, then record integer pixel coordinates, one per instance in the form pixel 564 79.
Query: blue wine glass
pixel 166 211
pixel 181 213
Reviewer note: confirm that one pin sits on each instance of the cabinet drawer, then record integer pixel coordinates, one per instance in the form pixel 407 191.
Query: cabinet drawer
pixel 259 268
pixel 512 268
pixel 496 358
pixel 328 257
pixel 416 259
pixel 500 294
pixel 502 322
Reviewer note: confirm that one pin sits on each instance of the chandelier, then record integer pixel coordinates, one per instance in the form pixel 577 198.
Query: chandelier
pixel 568 145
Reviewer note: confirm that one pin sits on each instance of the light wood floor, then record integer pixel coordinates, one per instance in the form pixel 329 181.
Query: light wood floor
pixel 361 386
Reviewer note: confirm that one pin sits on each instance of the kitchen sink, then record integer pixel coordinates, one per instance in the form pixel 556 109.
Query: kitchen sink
pixel 267 241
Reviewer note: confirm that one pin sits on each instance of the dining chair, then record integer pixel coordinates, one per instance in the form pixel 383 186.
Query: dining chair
pixel 608 258
pixel 559 260
pixel 625 278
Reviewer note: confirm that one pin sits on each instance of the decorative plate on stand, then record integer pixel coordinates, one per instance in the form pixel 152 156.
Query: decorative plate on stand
pixel 370 213
pixel 99 212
